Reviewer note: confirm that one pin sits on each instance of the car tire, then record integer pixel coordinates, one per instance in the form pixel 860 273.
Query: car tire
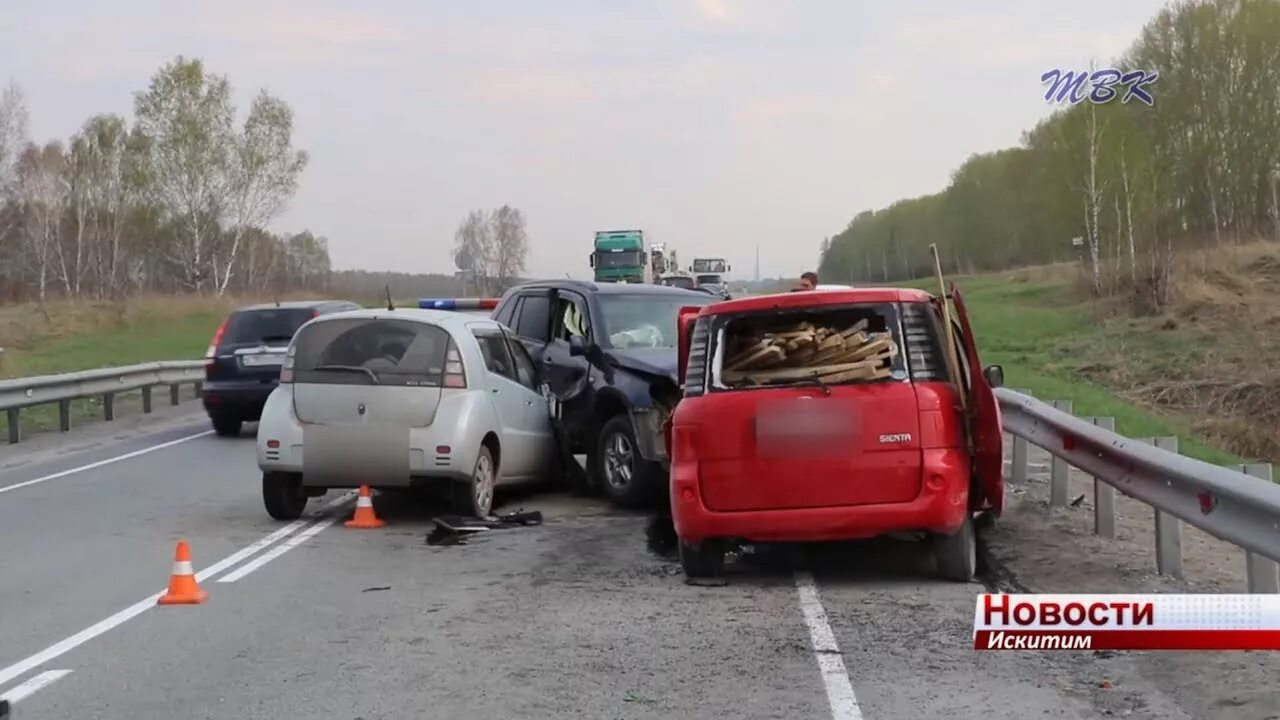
pixel 474 497
pixel 957 553
pixel 619 472
pixel 226 426
pixel 283 496
pixel 702 559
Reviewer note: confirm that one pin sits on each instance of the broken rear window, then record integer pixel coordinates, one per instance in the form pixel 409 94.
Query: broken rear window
pixel 831 345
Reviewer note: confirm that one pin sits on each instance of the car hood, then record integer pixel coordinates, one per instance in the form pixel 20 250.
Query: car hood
pixel 650 361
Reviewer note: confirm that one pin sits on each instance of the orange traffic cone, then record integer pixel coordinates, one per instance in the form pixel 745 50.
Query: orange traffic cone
pixel 183 589
pixel 365 518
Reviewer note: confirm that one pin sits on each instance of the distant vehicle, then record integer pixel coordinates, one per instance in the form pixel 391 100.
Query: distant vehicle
pixel 679 280
pixel 711 265
pixel 662 261
pixel 713 283
pixel 619 256
pixel 401 398
pixel 609 356
pixel 834 287
pixel 783 454
pixel 243 362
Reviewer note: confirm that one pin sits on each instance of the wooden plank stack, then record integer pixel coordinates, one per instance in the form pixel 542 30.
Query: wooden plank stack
pixel 806 350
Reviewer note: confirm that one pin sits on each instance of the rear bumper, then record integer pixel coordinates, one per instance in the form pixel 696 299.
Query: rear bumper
pixel 243 399
pixel 940 507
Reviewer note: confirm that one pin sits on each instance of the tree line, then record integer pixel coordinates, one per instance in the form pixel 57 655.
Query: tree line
pixel 176 201
pixel 1117 185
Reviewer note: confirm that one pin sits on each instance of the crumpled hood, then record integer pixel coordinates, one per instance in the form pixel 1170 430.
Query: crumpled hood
pixel 653 361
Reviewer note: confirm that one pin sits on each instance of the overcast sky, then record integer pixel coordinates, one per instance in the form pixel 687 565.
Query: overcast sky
pixel 714 125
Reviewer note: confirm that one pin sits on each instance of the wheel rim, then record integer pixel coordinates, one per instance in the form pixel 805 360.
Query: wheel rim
pixel 483 484
pixel 619 461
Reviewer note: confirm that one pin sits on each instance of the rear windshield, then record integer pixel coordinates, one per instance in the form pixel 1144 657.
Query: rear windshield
pixel 366 351
pixel 679 281
pixel 273 325
pixel 837 345
pixel 709 280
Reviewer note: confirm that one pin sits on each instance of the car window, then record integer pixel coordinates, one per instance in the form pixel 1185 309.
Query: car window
pixel 644 320
pixel 370 351
pixel 508 313
pixel 494 351
pixel 526 371
pixel 572 317
pixel 534 317
pixel 267 325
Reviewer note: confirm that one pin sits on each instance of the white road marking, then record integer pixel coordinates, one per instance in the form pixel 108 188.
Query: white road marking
pixel 277 551
pixel 844 705
pixel 63 647
pixel 100 463
pixel 34 685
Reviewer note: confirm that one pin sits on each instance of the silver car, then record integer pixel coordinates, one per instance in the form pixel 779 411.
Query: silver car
pixel 398 398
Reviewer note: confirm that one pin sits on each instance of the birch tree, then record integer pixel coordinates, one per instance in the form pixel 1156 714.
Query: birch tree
pixel 511 245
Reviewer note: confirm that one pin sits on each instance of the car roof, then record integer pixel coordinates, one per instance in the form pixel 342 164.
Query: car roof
pixel 584 286
pixel 782 301
pixel 291 304
pixel 446 319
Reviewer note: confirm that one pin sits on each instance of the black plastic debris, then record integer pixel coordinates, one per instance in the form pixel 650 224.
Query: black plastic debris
pixel 4 710
pixel 376 589
pixel 454 529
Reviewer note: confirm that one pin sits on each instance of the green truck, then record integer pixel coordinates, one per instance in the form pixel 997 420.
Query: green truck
pixel 620 256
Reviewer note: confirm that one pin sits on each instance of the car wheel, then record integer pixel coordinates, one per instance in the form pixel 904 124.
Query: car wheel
pixel 283 495
pixel 625 478
pixel 957 553
pixel 226 426
pixel 703 559
pixel 476 495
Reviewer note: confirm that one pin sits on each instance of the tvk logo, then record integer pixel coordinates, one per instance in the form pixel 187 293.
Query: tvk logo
pixel 1099 87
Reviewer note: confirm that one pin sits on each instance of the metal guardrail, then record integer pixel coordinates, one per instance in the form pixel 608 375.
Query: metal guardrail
pixel 1240 506
pixel 106 383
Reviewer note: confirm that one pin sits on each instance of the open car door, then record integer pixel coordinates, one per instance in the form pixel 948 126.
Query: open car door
pixel 984 417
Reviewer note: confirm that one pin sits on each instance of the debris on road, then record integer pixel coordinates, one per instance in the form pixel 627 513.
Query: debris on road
pixel 376 589
pixel 454 529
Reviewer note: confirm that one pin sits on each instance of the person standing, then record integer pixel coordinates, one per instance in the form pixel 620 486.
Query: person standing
pixel 808 281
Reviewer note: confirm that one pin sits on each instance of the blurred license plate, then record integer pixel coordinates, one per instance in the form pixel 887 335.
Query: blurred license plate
pixel 821 425
pixel 262 359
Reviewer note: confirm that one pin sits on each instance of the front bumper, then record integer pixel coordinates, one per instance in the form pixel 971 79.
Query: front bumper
pixel 940 508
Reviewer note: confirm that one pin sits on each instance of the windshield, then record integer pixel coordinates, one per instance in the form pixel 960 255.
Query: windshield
pixel 644 321
pixel 260 326
pixel 680 282
pixel 609 259
pixel 708 265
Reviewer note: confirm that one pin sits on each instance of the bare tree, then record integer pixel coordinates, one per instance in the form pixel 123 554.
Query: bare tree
pixel 475 243
pixel 263 175
pixel 41 192
pixel 511 245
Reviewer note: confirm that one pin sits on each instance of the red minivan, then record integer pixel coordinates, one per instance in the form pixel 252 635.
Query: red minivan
pixel 805 460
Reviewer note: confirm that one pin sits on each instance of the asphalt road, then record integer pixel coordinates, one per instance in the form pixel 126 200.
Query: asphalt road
pixel 581 617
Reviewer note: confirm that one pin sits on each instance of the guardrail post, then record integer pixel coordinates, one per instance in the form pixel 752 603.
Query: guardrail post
pixel 1168 527
pixel 1263 573
pixel 64 415
pixel 109 407
pixel 1021 453
pixel 1059 472
pixel 174 399
pixel 15 428
pixel 199 389
pixel 1104 496
pixel 146 399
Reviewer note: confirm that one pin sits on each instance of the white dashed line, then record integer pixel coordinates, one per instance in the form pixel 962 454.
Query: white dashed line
pixel 34 685
pixel 844 705
pixel 277 551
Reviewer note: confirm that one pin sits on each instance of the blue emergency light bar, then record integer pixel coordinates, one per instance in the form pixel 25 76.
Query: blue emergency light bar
pixel 458 303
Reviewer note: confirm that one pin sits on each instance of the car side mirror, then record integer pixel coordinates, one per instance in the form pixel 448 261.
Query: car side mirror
pixel 994 375
pixel 577 346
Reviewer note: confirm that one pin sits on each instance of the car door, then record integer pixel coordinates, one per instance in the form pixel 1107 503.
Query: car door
pixel 568 378
pixel 984 414
pixel 538 408
pixel 510 399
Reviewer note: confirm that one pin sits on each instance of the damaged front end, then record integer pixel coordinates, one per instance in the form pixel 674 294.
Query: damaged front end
pixel 651 414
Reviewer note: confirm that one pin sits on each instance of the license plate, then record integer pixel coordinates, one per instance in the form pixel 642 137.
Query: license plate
pixel 805 427
pixel 262 359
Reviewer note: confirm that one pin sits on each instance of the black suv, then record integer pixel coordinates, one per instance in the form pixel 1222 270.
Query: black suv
pixel 607 353
pixel 242 365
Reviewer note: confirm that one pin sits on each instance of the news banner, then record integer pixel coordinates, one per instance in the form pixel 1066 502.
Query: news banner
pixel 1127 622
